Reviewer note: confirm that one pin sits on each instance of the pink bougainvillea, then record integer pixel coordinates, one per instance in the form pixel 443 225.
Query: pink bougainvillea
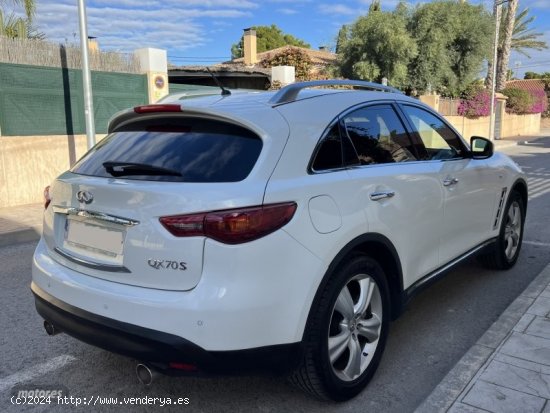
pixel 476 105
pixel 540 104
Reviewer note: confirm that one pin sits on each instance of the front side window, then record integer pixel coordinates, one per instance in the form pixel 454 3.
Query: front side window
pixel 439 140
pixel 378 136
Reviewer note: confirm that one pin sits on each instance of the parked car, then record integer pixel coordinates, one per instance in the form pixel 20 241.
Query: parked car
pixel 277 231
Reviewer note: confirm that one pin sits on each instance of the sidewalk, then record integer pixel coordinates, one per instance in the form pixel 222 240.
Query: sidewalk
pixel 22 223
pixel 520 140
pixel 508 369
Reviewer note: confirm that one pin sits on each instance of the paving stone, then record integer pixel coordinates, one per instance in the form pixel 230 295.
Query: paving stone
pixel 539 327
pixel 510 376
pixel 524 364
pixel 540 307
pixel 464 408
pixel 539 284
pixel 455 381
pixel 508 319
pixel 527 347
pixel 516 378
pixel 498 399
pixel 523 323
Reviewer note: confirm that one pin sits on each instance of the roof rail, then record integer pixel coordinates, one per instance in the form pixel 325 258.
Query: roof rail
pixel 290 93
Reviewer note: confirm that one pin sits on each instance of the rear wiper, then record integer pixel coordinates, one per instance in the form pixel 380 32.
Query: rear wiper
pixel 132 168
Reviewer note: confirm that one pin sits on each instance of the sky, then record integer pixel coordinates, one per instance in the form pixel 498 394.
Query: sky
pixel 202 31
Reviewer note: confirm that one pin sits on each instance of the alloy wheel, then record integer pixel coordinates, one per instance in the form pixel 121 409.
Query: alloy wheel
pixel 512 230
pixel 355 327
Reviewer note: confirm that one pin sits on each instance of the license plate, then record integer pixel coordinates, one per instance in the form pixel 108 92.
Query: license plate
pixel 87 236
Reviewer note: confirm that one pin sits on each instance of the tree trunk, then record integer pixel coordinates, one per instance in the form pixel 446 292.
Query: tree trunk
pixel 506 44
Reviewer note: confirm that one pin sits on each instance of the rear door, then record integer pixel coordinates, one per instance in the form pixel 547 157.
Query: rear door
pixel 401 195
pixel 470 186
pixel 103 219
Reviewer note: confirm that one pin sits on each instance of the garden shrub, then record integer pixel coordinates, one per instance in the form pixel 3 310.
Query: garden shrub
pixel 291 57
pixel 519 101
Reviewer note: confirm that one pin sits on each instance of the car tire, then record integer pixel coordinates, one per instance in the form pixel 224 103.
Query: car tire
pixel 344 340
pixel 505 252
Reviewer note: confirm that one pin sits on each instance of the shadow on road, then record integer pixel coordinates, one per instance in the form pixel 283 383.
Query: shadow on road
pixel 15 232
pixel 542 142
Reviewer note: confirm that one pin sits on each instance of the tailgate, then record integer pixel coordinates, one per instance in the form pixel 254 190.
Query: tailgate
pixel 118 236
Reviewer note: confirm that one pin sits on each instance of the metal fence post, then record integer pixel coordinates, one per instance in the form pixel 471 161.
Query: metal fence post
pixel 86 76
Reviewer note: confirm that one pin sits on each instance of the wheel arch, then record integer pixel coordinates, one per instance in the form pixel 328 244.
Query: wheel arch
pixel 378 247
pixel 520 186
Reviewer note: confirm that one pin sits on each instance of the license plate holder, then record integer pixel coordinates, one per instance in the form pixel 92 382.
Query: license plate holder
pixel 93 239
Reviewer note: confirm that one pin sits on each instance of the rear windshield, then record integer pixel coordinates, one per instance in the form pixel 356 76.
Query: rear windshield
pixel 191 150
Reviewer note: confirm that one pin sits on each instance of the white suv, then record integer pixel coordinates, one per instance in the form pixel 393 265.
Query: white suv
pixel 272 231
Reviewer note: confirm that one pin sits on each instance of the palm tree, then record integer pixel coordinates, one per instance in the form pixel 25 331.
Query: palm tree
pixel 523 38
pixel 13 26
pixel 505 46
pixel 28 5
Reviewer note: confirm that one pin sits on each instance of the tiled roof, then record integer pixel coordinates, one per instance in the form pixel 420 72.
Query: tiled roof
pixel 318 57
pixel 221 67
pixel 531 85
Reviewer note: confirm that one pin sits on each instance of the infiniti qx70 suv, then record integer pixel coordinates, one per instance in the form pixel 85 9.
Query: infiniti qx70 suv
pixel 275 231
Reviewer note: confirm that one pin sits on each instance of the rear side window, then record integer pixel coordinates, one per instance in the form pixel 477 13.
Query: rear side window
pixel 188 150
pixel 329 153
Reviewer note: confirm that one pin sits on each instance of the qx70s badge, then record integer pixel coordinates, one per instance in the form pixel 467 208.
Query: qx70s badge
pixel 167 265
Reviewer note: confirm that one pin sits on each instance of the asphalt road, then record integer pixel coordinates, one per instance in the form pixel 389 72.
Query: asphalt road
pixel 437 329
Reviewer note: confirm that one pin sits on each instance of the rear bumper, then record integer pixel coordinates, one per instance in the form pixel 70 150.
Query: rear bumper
pixel 248 296
pixel 159 348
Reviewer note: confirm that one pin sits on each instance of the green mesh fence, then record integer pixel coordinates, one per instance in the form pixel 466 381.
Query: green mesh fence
pixel 176 87
pixel 49 101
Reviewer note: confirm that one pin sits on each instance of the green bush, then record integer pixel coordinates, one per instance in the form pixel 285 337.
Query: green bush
pixel 519 101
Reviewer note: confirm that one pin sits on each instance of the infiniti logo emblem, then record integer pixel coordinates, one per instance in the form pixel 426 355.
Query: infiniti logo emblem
pixel 85 197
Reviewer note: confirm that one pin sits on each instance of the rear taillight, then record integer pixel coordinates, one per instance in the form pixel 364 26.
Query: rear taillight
pixel 47 198
pixel 233 226
pixel 157 108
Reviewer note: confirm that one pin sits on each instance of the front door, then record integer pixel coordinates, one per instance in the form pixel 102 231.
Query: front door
pixel 468 184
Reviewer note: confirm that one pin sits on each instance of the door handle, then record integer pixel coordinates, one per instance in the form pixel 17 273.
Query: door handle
pixel 377 196
pixel 450 181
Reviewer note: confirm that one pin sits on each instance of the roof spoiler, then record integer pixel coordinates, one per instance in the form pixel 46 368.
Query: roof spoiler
pixel 290 93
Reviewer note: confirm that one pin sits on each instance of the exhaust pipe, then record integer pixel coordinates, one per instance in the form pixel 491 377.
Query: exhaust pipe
pixel 144 374
pixel 51 330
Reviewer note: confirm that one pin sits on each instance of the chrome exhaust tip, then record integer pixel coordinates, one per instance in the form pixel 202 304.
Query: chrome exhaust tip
pixel 51 330
pixel 144 374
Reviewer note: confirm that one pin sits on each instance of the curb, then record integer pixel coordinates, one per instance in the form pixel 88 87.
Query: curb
pixel 454 383
pixel 500 143
pixel 19 236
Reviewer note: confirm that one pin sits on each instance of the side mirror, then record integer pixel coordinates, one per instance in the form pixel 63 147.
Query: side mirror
pixel 481 148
